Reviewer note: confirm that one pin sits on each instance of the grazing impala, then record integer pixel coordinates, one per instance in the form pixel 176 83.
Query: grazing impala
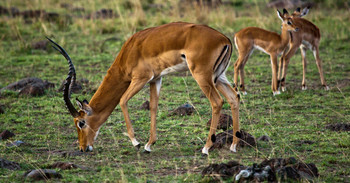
pixel 248 39
pixel 307 38
pixel 145 58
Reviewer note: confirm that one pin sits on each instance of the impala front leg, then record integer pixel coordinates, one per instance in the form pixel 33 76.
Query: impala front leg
pixel 154 97
pixel 135 86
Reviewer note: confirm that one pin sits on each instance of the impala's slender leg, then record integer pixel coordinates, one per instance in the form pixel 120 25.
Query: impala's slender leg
pixel 154 98
pixel 239 69
pixel 233 99
pixel 319 66
pixel 303 59
pixel 135 86
pixel 280 68
pixel 206 83
pixel 274 74
pixel 286 60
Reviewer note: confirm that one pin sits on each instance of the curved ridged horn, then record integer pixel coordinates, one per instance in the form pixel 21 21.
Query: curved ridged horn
pixel 71 77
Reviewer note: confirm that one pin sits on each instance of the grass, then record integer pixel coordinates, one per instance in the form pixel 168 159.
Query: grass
pixel 288 119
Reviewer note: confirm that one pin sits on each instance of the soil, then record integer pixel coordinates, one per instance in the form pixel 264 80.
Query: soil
pixel 226 138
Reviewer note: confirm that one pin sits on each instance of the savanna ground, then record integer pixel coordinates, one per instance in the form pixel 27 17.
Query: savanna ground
pixel 295 121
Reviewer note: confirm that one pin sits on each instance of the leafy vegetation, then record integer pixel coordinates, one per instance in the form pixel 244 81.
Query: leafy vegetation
pixel 288 119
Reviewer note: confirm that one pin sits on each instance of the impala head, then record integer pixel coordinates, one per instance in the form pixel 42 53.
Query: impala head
pixel 287 21
pixel 298 13
pixel 81 118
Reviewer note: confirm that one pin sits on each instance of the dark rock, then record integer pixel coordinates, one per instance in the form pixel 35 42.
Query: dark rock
pixel 9 164
pixel 308 171
pixel 30 86
pixel 224 169
pixel 77 86
pixel 339 127
pixel 40 45
pixel 183 110
pixel 2 109
pixel 226 138
pixel 145 106
pixel 64 165
pixel 42 174
pixel 6 135
pixel 103 14
pixel 225 122
pixel 33 14
pixel 264 138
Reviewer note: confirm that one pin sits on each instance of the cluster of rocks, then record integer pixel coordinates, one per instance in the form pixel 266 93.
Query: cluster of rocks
pixel 272 170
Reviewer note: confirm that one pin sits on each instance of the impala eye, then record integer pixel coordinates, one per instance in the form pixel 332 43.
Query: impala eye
pixel 81 124
pixel 289 23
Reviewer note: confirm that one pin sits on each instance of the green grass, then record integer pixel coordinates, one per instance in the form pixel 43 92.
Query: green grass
pixel 288 119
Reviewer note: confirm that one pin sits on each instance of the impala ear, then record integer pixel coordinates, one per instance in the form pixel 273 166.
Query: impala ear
pixel 285 12
pixel 305 11
pixel 279 14
pixel 84 105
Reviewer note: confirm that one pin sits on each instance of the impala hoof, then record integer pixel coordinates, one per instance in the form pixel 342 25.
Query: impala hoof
pixel 326 88
pixel 276 93
pixel 148 147
pixel 233 148
pixel 205 150
pixel 304 88
pixel 284 89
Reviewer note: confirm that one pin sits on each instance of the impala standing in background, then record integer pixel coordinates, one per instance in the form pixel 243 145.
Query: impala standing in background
pixel 250 38
pixel 307 38
pixel 145 58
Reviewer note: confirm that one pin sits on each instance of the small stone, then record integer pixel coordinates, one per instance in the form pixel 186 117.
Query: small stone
pixel 6 135
pixel 264 138
pixel 9 164
pixel 42 174
pixel 145 106
pixel 16 143
pixel 64 165
pixel 183 110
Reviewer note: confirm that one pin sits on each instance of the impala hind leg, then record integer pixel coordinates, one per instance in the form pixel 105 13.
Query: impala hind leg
pixel 154 98
pixel 303 59
pixel 206 83
pixel 233 99
pixel 274 82
pixel 319 66
pixel 135 86
pixel 286 60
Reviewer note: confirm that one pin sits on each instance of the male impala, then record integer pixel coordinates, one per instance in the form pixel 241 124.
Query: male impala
pixel 307 38
pixel 248 39
pixel 145 58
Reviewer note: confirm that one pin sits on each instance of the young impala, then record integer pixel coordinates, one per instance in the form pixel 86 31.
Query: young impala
pixel 145 58
pixel 307 38
pixel 248 39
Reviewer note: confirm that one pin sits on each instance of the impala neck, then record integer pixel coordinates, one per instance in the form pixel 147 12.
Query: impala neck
pixel 107 96
pixel 285 36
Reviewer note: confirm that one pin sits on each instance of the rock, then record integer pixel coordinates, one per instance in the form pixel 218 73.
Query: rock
pixel 30 86
pixel 64 165
pixel 42 174
pixel 339 127
pixel 145 106
pixel 2 109
pixel 77 87
pixel 226 138
pixel 40 45
pixel 16 143
pixel 9 164
pixel 6 135
pixel 225 122
pixel 183 110
pixel 264 138
pixel 224 169
pixel 103 14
